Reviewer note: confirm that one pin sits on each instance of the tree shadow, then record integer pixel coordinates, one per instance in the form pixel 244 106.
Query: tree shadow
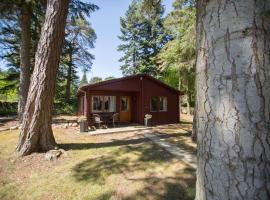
pixel 131 160
pixel 82 146
pixel 98 168
pixel 166 188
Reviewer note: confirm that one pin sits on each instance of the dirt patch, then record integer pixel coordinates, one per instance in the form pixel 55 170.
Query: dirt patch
pixel 24 167
pixel 7 122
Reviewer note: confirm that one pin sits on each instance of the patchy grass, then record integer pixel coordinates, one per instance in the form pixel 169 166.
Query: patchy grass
pixel 117 166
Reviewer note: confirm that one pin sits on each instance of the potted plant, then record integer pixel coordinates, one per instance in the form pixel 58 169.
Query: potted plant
pixel 147 119
pixel 83 124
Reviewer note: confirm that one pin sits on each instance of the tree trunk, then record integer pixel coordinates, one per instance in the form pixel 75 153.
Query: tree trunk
pixel 233 100
pixel 69 71
pixel 36 133
pixel 24 58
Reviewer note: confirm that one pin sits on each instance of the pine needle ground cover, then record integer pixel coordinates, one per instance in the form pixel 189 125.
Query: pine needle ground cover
pixel 117 166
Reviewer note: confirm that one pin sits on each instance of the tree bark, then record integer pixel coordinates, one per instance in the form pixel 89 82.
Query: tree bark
pixel 24 58
pixel 36 133
pixel 233 100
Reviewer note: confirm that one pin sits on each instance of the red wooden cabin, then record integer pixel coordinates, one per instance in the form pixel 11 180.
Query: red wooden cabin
pixel 132 97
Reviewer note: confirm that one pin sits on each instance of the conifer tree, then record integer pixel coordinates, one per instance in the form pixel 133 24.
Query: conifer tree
pixel 83 80
pixel 142 36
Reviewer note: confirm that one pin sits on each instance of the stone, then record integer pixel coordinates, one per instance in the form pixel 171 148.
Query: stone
pixel 74 124
pixel 93 128
pixel 65 126
pixel 14 127
pixel 53 154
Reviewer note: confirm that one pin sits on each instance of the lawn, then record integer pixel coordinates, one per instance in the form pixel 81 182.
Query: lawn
pixel 116 166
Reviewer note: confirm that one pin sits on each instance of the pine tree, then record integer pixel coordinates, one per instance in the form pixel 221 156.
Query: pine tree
pixel 178 55
pixel 79 39
pixel 83 80
pixel 143 35
pixel 36 133
pixel 233 100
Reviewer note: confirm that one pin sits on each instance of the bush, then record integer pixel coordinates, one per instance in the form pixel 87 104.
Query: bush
pixel 62 107
pixel 8 108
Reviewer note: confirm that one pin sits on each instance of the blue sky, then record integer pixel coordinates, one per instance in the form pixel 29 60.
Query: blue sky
pixel 106 22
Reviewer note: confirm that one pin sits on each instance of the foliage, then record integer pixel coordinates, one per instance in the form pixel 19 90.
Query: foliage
pixel 8 86
pixel 83 80
pixel 178 55
pixel 95 79
pixel 143 36
pixel 79 39
pixel 109 78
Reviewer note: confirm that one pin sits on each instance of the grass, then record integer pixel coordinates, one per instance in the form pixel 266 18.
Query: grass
pixel 118 166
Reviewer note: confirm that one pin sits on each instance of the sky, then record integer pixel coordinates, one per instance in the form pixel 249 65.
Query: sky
pixel 106 22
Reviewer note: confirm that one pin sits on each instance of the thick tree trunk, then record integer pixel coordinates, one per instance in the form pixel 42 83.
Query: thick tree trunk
pixel 36 133
pixel 24 58
pixel 233 100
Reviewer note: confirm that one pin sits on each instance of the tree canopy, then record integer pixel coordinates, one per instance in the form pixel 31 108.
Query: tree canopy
pixel 143 35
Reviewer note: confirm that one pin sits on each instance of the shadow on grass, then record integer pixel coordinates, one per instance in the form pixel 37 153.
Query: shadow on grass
pixel 185 122
pixel 127 161
pixel 166 188
pixel 82 146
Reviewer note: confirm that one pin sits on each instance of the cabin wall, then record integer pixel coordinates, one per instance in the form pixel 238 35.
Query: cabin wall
pixel 134 97
pixel 151 89
pixel 80 108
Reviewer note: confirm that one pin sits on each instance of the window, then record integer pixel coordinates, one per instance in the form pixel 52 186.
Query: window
pixel 97 103
pixel 103 104
pixel 154 104
pixel 109 104
pixel 162 104
pixel 124 104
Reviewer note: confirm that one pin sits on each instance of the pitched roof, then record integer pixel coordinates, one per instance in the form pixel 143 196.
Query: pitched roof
pixel 126 78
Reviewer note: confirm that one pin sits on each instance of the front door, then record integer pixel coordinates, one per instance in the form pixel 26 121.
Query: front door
pixel 125 114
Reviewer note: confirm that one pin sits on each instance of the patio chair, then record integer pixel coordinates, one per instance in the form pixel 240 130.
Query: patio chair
pixel 115 119
pixel 97 120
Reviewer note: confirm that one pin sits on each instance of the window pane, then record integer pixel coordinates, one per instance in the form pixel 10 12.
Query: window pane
pixel 97 103
pixel 109 104
pixel 112 104
pixel 163 104
pixel 154 102
pixel 124 104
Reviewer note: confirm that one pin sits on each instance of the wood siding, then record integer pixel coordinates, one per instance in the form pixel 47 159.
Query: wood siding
pixel 140 89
